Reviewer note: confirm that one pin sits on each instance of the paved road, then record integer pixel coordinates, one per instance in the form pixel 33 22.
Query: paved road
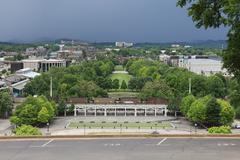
pixel 122 149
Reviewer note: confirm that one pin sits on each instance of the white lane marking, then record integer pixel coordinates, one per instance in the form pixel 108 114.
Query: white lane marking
pixel 163 140
pixel 45 144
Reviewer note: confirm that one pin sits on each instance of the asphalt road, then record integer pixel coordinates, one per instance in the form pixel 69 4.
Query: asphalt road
pixel 122 149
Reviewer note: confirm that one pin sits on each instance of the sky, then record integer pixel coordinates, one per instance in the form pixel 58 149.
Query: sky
pixel 100 21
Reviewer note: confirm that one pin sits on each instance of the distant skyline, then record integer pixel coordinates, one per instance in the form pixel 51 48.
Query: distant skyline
pixel 100 21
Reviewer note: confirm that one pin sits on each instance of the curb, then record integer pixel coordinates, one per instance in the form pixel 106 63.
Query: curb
pixel 120 136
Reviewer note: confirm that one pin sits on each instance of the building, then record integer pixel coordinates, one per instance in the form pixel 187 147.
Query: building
pixel 3 85
pixel 33 64
pixel 27 72
pixel 43 65
pixel 123 44
pixel 203 65
pixel 16 83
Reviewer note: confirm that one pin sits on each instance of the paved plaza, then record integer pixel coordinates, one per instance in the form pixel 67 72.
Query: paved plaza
pixel 122 149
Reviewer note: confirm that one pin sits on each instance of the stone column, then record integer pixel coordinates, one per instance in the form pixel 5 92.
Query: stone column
pixel 95 112
pixel 115 112
pixel 155 112
pixel 75 112
pixel 145 112
pixel 125 111
pixel 165 110
pixel 105 112
pixel 135 113
pixel 85 111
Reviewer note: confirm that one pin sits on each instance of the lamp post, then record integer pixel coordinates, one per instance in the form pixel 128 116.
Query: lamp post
pixel 195 128
pixel 48 127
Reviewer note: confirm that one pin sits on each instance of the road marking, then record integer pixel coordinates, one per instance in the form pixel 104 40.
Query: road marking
pixel 112 145
pixel 45 144
pixel 163 140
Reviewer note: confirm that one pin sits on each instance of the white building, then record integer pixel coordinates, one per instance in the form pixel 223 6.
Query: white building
pixel 43 65
pixel 123 44
pixel 205 66
pixel 27 72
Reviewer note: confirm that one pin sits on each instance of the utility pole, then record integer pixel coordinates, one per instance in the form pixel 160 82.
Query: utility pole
pixel 51 92
pixel 190 86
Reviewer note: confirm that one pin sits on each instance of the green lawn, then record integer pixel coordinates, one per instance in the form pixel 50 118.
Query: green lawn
pixel 128 125
pixel 119 68
pixel 121 77
pixel 119 94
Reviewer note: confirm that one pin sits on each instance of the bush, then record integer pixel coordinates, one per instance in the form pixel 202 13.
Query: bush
pixel 186 104
pixel 27 130
pixel 220 130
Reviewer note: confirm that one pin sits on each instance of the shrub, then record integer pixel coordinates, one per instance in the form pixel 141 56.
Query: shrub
pixel 27 130
pixel 220 130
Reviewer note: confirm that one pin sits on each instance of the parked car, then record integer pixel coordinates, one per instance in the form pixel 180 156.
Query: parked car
pixel 237 126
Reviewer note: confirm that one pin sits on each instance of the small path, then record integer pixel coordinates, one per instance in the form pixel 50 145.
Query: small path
pixel 122 72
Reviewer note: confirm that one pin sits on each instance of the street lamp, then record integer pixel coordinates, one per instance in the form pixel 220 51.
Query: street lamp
pixel 195 127
pixel 48 127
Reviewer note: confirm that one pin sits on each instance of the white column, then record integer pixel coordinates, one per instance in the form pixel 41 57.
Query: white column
pixel 75 112
pixel 165 109
pixel 105 112
pixel 155 112
pixel 95 112
pixel 85 111
pixel 125 111
pixel 135 113
pixel 145 112
pixel 115 113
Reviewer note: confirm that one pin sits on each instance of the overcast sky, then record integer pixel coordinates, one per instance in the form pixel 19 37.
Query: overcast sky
pixel 100 20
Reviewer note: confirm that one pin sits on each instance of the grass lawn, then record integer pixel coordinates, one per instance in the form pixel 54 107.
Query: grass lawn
pixel 129 125
pixel 121 77
pixel 119 68
pixel 122 94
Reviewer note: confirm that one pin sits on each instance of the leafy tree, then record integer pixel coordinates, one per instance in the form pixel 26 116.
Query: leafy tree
pixel 27 130
pixel 124 85
pixel 213 110
pixel 213 14
pixel 186 104
pixel 5 104
pixel 197 112
pixel 34 111
pixel 157 89
pixel 115 84
pixel 227 112
pixel 237 111
pixel 43 115
pixel 216 87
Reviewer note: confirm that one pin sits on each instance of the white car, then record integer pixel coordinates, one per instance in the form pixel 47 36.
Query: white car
pixel 237 126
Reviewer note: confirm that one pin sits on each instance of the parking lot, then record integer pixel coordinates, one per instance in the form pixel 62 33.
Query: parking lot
pixel 122 149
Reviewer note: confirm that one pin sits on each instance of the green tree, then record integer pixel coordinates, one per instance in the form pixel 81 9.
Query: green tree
pixel 43 115
pixel 213 14
pixel 227 112
pixel 124 85
pixel 186 104
pixel 34 111
pixel 197 111
pixel 213 110
pixel 157 89
pixel 216 87
pixel 115 84
pixel 5 104
pixel 27 130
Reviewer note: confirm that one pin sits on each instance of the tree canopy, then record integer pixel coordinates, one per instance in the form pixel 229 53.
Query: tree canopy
pixel 213 14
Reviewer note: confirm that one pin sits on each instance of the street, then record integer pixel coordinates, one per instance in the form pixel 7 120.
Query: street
pixel 121 149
